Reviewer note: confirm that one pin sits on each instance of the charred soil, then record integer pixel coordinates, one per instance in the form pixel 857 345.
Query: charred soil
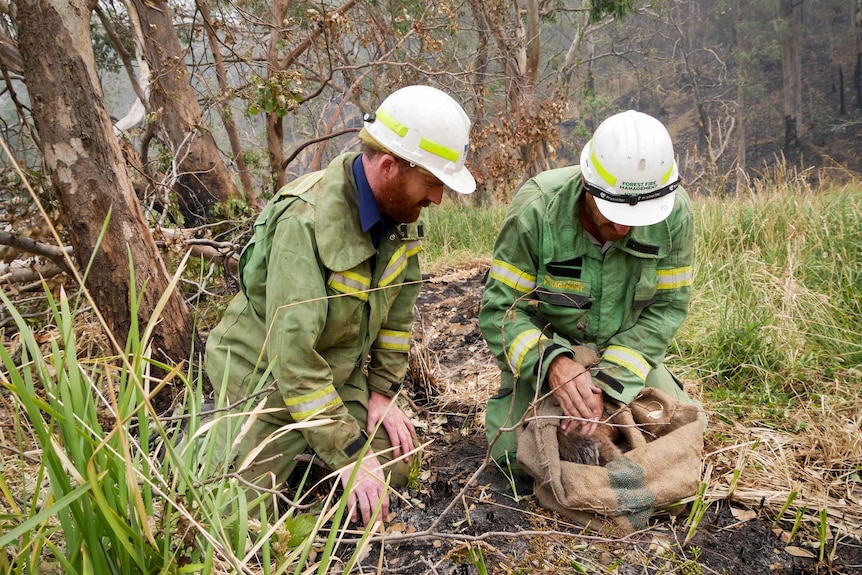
pixel 463 515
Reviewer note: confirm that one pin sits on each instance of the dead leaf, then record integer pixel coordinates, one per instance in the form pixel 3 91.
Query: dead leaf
pixel 396 528
pixel 743 515
pixel 783 535
pixel 660 544
pixel 799 552
pixel 45 336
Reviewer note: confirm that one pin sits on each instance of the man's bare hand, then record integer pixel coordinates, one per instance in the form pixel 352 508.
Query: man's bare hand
pixel 396 424
pixel 573 387
pixel 367 489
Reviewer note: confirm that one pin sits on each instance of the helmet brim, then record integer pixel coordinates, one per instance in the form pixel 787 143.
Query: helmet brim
pixel 461 181
pixel 642 214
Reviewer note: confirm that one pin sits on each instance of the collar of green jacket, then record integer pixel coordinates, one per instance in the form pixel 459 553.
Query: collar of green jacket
pixel 338 227
pixel 341 242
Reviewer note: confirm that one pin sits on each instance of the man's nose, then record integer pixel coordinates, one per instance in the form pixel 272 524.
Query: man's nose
pixel 622 229
pixel 436 196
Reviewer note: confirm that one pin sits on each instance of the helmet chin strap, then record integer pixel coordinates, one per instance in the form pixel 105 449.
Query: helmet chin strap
pixel 630 199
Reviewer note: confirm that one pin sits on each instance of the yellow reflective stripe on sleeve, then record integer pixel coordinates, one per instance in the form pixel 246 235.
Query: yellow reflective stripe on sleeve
pixel 674 278
pixel 513 277
pixel 395 266
pixel 394 340
pixel 351 283
pixel 629 359
pixel 413 248
pixel 303 406
pixel 522 345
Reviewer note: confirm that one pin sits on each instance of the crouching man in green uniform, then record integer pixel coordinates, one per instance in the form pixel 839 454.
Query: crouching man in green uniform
pixel 328 285
pixel 598 254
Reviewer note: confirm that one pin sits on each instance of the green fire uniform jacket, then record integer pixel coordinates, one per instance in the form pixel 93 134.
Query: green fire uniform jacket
pixel 322 312
pixel 550 288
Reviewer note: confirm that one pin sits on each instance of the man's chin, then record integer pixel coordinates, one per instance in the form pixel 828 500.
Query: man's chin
pixel 407 218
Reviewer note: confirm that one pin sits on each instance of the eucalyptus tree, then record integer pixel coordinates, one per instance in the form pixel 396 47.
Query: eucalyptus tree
pixel 789 28
pixel 300 72
pixel 89 176
pixel 198 173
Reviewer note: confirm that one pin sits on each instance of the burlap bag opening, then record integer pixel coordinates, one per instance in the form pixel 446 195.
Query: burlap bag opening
pixel 661 467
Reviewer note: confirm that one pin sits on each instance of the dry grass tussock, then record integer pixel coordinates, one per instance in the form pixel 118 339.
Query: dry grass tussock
pixel 456 378
pixel 19 452
pixel 786 473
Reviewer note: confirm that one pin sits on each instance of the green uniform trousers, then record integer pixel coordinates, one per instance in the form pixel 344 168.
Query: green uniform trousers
pixel 274 465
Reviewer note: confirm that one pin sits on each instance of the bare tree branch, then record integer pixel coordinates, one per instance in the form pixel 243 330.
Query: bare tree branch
pixel 223 102
pixel 25 244
pixel 225 253
pixel 20 272
pixel 307 143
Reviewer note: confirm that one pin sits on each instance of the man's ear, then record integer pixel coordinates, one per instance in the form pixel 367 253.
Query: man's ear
pixel 389 166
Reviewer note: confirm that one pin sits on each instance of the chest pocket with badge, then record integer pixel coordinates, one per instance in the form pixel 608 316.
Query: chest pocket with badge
pixel 561 284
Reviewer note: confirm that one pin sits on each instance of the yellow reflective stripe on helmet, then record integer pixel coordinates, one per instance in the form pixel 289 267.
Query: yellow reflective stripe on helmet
pixel 522 345
pixel 394 340
pixel 667 174
pixel 512 276
pixel 351 283
pixel 303 406
pixel 390 122
pixel 444 152
pixel 395 266
pixel 629 359
pixel 674 278
pixel 600 169
pixel 413 248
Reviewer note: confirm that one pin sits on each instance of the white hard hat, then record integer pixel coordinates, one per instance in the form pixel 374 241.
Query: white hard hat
pixel 427 127
pixel 629 168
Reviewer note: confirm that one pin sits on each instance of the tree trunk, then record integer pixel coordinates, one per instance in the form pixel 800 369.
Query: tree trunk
pixel 224 102
pixel 857 79
pixel 88 172
pixel 790 39
pixel 520 47
pixel 276 68
pixel 481 65
pixel 274 123
pixel 202 178
pixel 842 109
pixel 857 73
pixel 691 71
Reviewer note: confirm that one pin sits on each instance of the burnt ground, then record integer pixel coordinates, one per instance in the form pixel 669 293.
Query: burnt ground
pixel 479 514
